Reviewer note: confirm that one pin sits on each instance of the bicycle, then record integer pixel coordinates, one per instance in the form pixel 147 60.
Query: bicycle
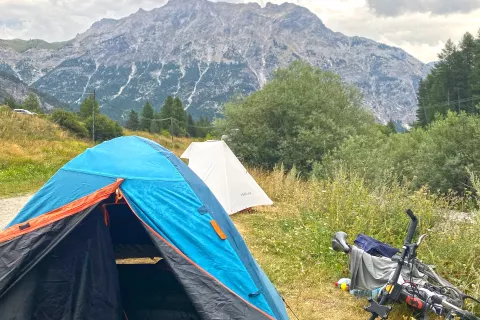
pixel 424 289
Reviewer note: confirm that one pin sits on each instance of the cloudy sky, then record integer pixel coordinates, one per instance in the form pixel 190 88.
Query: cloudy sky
pixel 421 27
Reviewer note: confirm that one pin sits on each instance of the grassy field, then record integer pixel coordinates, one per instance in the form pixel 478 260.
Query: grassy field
pixel 32 149
pixel 291 240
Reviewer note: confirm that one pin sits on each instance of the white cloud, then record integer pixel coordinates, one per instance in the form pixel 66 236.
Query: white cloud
pixel 440 7
pixel 414 25
pixel 59 20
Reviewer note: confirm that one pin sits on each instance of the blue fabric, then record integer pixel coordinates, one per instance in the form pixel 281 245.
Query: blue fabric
pixel 64 187
pixel 125 157
pixel 173 201
pixel 171 209
pixel 374 247
pixel 214 208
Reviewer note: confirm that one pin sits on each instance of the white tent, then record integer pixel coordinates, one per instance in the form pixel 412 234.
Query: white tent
pixel 227 178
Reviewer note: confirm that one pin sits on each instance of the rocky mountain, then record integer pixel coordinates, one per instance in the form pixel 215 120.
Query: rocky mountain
pixel 205 52
pixel 12 87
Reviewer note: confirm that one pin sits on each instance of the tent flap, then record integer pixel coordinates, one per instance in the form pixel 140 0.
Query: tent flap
pixel 76 279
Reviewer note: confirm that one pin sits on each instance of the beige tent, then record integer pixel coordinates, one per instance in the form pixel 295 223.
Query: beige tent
pixel 227 178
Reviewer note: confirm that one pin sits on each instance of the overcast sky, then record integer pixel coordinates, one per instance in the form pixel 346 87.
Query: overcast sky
pixel 421 27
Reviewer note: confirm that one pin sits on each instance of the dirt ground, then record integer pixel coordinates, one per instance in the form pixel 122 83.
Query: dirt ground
pixel 10 207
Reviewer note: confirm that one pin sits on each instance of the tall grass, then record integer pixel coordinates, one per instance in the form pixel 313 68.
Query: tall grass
pixel 32 149
pixel 293 238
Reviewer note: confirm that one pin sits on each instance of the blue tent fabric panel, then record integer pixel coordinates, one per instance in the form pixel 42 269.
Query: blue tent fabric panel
pixel 63 188
pixel 128 158
pixel 211 204
pixel 171 210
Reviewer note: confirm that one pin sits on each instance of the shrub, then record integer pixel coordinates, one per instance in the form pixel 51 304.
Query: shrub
pixel 437 156
pixel 301 114
pixel 105 128
pixel 70 122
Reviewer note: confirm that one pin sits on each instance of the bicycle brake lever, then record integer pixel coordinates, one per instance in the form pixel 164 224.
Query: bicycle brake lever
pixel 420 239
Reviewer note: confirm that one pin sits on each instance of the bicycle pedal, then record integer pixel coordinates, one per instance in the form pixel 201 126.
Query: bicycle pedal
pixel 378 309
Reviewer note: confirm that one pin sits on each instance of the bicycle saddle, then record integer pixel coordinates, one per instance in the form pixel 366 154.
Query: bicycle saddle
pixel 339 242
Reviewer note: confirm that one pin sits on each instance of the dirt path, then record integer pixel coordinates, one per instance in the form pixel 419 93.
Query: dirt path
pixel 10 207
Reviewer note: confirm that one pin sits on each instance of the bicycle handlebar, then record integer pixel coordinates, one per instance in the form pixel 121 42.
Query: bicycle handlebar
pixel 412 227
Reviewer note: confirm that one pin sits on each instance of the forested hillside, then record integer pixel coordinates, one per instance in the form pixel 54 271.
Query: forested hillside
pixel 454 83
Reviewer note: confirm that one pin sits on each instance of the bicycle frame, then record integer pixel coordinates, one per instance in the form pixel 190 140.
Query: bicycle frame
pixel 393 289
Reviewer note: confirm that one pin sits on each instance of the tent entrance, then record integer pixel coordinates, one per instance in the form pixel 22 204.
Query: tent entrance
pixel 149 289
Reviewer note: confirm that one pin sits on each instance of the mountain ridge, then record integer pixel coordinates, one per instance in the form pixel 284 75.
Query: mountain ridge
pixel 206 52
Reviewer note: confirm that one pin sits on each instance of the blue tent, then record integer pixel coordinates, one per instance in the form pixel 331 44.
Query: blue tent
pixel 129 197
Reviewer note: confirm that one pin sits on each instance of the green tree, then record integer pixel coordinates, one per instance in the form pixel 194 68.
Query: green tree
pixel 69 121
pixel 295 119
pixel 88 107
pixel 166 112
pixel 133 122
pixel 203 127
pixel 31 103
pixel 180 118
pixel 11 103
pixel 191 126
pixel 155 126
pixel 391 128
pixel 454 83
pixel 105 128
pixel 422 111
pixel 438 156
pixel 475 77
pixel 147 116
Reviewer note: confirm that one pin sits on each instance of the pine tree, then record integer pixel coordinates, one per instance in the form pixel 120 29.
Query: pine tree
pixel 422 115
pixel 147 116
pixel 191 126
pixel 453 81
pixel 475 76
pixel 88 107
pixel 180 117
pixel 202 127
pixel 133 122
pixel 166 113
pixel 154 127
pixel 464 70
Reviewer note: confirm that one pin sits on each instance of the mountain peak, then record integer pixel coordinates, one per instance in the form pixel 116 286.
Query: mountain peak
pixel 103 22
pixel 183 2
pixel 206 52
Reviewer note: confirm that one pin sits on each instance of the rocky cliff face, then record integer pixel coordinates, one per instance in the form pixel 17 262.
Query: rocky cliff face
pixel 12 87
pixel 205 52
